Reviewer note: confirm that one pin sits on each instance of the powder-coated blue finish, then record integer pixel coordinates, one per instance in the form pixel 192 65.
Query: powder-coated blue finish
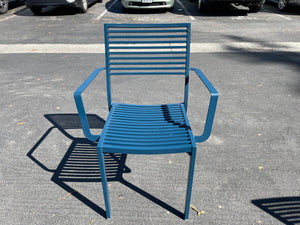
pixel 147 49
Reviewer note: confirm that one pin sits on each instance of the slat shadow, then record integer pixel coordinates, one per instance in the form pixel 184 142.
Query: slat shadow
pixel 285 209
pixel 80 162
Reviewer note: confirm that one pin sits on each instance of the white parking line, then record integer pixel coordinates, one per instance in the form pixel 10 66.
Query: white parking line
pixel 7 18
pixel 19 9
pixel 185 10
pixel 285 17
pixel 195 48
pixel 105 11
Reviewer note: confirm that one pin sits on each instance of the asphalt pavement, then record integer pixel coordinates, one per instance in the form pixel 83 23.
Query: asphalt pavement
pixel 247 173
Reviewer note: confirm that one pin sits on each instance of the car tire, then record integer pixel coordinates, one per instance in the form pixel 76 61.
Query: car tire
pixel 170 9
pixel 282 4
pixel 83 6
pixel 125 10
pixel 256 8
pixel 3 6
pixel 201 6
pixel 36 10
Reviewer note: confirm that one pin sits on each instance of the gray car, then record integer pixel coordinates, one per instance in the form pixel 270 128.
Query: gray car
pixel 36 6
pixel 148 4
pixel 253 5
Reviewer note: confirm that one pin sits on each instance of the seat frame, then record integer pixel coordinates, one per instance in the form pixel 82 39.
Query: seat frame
pixel 148 29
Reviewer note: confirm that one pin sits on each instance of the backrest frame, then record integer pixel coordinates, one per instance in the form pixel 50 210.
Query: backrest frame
pixel 147 45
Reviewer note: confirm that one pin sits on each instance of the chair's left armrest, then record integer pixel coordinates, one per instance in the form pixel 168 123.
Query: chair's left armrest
pixel 212 106
pixel 80 106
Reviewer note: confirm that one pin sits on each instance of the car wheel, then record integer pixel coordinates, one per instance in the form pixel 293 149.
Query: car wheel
pixel 37 10
pixel 83 6
pixel 3 6
pixel 171 9
pixel 255 8
pixel 201 6
pixel 125 10
pixel 282 4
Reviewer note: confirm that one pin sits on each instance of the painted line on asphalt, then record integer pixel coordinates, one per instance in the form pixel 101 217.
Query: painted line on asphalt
pixel 7 18
pixel 195 48
pixel 13 11
pixel 285 17
pixel 185 10
pixel 106 10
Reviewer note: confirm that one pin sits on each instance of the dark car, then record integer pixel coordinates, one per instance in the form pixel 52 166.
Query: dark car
pixel 284 4
pixel 4 5
pixel 253 5
pixel 36 6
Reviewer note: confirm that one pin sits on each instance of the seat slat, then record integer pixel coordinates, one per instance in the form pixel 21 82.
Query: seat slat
pixel 146 140
pixel 129 128
pixel 148 137
pixel 144 144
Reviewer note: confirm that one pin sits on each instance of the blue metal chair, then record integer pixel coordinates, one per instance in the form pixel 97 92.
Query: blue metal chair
pixel 147 49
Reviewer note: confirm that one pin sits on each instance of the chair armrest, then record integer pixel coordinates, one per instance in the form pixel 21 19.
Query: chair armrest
pixel 80 106
pixel 212 106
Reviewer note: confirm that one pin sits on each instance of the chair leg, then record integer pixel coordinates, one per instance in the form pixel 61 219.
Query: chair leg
pixel 190 184
pixel 104 184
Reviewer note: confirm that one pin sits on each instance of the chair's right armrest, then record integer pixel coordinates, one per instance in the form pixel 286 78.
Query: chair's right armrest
pixel 211 108
pixel 80 106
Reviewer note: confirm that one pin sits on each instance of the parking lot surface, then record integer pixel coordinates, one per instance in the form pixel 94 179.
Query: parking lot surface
pixel 246 173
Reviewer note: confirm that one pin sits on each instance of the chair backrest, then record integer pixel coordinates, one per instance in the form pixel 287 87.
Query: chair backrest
pixel 147 49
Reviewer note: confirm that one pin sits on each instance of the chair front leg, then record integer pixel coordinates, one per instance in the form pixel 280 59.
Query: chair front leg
pixel 190 183
pixel 104 183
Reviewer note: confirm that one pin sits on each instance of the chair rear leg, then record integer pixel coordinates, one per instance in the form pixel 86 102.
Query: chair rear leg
pixel 104 183
pixel 190 184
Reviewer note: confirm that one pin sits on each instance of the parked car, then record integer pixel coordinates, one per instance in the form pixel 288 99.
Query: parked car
pixel 148 4
pixel 36 6
pixel 284 4
pixel 253 5
pixel 4 5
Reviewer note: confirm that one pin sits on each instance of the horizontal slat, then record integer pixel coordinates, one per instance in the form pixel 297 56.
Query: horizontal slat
pixel 147 137
pixel 146 25
pixel 148 73
pixel 147 63
pixel 145 119
pixel 147 68
pixel 148 47
pixel 147 53
pixel 147 130
pixel 125 115
pixel 147 58
pixel 114 132
pixel 145 36
pixel 147 114
pixel 161 127
pixel 148 31
pixel 156 148
pixel 146 42
pixel 143 144
pixel 147 107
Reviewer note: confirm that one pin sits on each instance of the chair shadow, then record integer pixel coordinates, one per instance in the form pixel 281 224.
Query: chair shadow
pixel 285 209
pixel 80 162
